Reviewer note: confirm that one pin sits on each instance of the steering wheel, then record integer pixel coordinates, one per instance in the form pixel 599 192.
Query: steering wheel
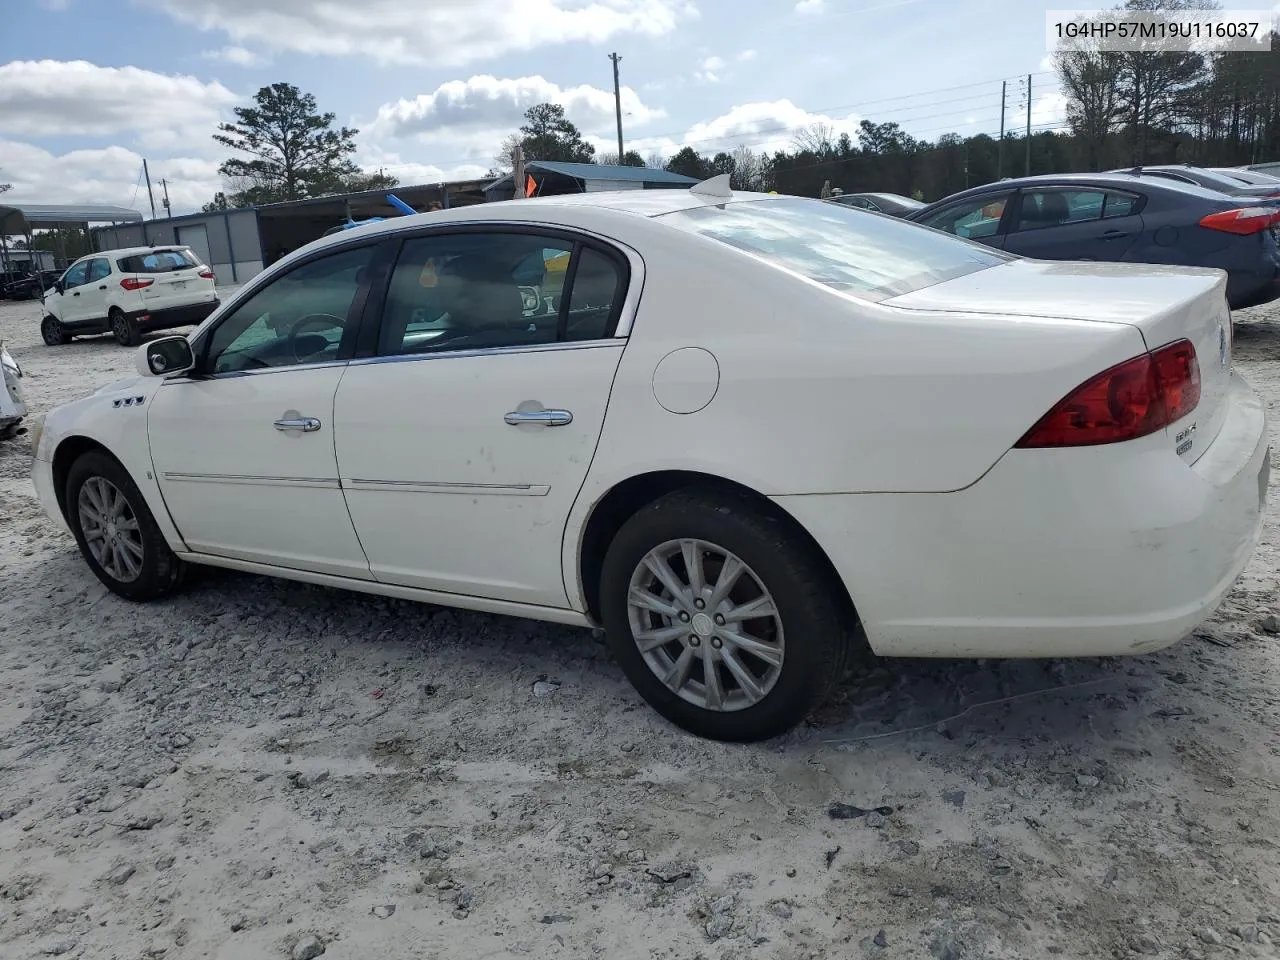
pixel 300 338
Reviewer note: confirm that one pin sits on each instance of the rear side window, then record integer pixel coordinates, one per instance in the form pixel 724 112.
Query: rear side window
pixel 870 257
pixel 475 291
pixel 158 261
pixel 1120 205
pixel 973 219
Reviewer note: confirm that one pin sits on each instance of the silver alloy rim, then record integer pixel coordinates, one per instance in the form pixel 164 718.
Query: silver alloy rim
pixel 110 529
pixel 118 327
pixel 706 625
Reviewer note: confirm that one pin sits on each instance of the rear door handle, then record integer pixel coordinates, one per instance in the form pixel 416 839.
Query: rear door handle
pixel 103 287
pixel 1114 234
pixel 548 418
pixel 304 424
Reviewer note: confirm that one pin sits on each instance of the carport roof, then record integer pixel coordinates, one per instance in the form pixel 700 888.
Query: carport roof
pixel 22 217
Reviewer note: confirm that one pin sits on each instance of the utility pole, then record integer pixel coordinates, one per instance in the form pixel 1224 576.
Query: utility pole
pixel 1000 147
pixel 1028 173
pixel 147 173
pixel 165 185
pixel 617 101
pixel 517 171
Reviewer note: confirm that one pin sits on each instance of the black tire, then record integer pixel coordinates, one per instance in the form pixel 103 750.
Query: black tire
pixel 817 625
pixel 53 332
pixel 125 329
pixel 160 571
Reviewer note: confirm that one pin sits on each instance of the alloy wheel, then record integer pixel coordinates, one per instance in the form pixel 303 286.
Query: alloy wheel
pixel 110 529
pixel 706 625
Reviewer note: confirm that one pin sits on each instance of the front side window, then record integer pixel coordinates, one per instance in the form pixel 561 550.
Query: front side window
pixel 475 291
pixel 75 277
pixel 300 317
pixel 99 269
pixel 972 219
pixel 870 257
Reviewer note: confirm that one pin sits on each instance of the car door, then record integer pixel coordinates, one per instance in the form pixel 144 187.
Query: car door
pixel 71 301
pixel 1070 223
pixel 974 218
pixel 93 294
pixel 463 443
pixel 243 448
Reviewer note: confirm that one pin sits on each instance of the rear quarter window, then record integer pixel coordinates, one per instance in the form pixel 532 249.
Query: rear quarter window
pixel 158 261
pixel 859 253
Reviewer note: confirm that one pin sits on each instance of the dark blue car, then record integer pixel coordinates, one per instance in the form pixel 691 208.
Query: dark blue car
pixel 1122 218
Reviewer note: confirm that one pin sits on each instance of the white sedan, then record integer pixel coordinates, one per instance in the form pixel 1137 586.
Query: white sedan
pixel 747 434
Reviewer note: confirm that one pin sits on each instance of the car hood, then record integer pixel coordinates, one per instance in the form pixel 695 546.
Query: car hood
pixel 128 383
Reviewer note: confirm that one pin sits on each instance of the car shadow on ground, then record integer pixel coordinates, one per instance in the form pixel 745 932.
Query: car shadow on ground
pixel 1005 700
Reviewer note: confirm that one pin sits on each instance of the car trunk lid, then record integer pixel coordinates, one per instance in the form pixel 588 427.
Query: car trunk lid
pixel 1165 304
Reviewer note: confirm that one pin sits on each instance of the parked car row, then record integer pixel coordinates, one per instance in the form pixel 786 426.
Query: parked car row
pixel 1181 216
pixel 26 284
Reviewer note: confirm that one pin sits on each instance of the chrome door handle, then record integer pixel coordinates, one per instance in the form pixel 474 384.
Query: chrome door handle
pixel 548 418
pixel 305 424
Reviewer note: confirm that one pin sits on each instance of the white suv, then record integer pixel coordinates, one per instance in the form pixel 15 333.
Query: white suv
pixel 126 292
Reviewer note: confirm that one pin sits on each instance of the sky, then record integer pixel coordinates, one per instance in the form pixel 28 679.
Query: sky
pixel 88 88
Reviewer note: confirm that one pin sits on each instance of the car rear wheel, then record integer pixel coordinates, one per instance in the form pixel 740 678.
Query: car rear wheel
pixel 126 330
pixel 53 332
pixel 116 532
pixel 722 616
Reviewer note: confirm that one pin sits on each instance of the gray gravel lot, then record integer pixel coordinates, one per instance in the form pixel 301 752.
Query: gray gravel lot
pixel 264 769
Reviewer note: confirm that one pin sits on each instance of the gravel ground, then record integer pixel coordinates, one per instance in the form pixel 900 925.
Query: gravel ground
pixel 263 769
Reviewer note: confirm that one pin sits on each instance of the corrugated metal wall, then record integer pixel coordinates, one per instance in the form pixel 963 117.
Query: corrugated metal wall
pixel 235 250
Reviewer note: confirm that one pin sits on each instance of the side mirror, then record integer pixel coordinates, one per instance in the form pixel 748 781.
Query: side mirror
pixel 165 357
pixel 57 285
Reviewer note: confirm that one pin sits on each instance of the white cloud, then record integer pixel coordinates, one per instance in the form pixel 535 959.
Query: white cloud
pixel 105 175
pixel 1049 112
pixel 441 33
pixel 239 56
pixel 765 127
pixel 709 70
pixel 466 120
pixel 746 55
pixel 76 98
pixel 810 8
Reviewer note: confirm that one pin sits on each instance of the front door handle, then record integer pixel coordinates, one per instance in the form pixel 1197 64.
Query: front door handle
pixel 103 287
pixel 76 294
pixel 305 424
pixel 1114 234
pixel 548 418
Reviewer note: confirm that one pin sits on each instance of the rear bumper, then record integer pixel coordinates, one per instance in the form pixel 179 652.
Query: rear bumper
pixel 184 316
pixel 1086 552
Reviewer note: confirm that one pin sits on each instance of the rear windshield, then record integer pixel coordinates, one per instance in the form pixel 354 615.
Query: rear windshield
pixel 851 250
pixel 157 261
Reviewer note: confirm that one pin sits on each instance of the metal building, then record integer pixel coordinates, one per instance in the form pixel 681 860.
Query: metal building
pixel 239 243
pixel 552 177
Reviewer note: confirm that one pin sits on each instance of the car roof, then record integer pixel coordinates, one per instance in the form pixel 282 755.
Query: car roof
pixel 1109 180
pixel 133 251
pixel 612 203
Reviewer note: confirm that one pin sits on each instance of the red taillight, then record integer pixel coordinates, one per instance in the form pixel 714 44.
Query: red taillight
pixel 137 283
pixel 206 273
pixel 1131 400
pixel 1243 220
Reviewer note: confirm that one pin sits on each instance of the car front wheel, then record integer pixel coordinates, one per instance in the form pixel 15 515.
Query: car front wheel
pixel 116 532
pixel 722 616
pixel 53 332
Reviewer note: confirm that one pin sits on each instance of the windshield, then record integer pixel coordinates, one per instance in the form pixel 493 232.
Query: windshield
pixel 851 250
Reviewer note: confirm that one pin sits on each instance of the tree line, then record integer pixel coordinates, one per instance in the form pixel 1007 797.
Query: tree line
pixel 1123 109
